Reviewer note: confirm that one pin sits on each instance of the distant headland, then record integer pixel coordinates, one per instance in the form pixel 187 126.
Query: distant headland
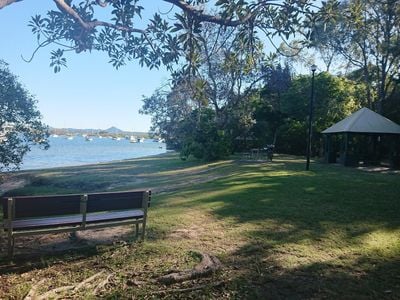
pixel 112 131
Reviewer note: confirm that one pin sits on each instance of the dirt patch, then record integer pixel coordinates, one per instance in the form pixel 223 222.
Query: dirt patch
pixel 58 242
pixel 186 233
pixel 186 183
pixel 11 183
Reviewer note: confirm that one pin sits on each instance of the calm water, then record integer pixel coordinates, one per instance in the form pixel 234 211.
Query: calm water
pixel 64 152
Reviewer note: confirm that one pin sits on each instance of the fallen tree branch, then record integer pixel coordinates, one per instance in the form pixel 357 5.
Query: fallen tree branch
pixel 54 292
pixel 102 284
pixel 32 292
pixel 208 265
pixel 86 281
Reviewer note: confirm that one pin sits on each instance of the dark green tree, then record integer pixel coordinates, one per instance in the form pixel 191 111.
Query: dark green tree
pixel 168 108
pixel 20 121
pixel 268 113
pixel 202 138
pixel 335 98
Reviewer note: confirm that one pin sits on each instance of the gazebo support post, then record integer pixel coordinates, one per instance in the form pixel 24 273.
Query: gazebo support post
pixel 395 153
pixel 346 148
pixel 329 156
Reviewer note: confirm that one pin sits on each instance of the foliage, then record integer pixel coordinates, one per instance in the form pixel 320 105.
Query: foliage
pixel 201 137
pixel 366 34
pixel 168 109
pixel 335 98
pixel 226 74
pixel 20 121
pixel 268 114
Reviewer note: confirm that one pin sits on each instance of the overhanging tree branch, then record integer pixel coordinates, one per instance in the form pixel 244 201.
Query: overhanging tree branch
pixel 200 15
pixel 4 3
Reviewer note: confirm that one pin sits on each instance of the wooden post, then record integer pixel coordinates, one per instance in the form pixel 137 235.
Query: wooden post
pixel 83 209
pixel 11 213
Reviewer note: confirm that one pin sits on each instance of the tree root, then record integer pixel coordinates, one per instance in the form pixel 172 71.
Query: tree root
pixel 208 265
pixel 57 292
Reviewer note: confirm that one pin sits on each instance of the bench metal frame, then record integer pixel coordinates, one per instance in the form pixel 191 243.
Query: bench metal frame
pixel 83 225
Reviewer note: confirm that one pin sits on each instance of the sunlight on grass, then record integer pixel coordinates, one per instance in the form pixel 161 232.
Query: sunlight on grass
pixel 382 243
pixel 192 169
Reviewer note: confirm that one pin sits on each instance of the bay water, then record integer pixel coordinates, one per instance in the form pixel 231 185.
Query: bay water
pixel 78 151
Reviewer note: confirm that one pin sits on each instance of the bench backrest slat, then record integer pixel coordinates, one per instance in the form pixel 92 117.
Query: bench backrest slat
pixel 114 201
pixel 40 206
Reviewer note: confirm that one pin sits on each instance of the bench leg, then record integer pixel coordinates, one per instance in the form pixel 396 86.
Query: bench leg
pixel 137 229
pixel 143 229
pixel 10 245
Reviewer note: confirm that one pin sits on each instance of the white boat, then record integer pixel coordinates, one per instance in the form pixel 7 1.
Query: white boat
pixel 158 140
pixel 69 137
pixel 141 140
pixel 55 136
pixel 133 139
pixel 88 139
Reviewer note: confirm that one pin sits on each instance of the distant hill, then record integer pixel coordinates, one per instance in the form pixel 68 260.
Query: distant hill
pixel 110 131
pixel 114 130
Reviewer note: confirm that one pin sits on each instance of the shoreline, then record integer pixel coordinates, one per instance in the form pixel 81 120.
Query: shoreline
pixel 20 178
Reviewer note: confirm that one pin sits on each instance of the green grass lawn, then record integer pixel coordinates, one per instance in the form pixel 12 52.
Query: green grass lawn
pixel 279 231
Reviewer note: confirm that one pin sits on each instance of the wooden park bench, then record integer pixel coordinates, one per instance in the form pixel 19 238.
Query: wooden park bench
pixel 31 215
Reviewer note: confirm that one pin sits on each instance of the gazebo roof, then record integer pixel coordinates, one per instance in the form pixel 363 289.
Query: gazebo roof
pixel 365 121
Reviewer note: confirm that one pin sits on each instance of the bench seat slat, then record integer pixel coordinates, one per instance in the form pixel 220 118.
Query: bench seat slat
pixel 75 219
pixel 114 215
pixel 46 222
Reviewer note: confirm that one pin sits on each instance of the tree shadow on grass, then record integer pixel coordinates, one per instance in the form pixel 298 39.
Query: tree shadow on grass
pixel 37 252
pixel 158 173
pixel 302 199
pixel 262 276
pixel 340 227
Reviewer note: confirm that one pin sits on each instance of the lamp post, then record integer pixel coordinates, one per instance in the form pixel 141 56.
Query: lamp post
pixel 310 117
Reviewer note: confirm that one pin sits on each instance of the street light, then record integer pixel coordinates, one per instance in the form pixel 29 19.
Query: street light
pixel 310 117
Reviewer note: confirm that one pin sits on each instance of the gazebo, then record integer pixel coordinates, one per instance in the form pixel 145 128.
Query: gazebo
pixel 367 123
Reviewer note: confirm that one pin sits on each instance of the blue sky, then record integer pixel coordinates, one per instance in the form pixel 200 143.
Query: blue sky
pixel 90 93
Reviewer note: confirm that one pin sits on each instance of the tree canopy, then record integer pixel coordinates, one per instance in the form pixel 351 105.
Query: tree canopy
pixel 111 26
pixel 366 35
pixel 224 88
